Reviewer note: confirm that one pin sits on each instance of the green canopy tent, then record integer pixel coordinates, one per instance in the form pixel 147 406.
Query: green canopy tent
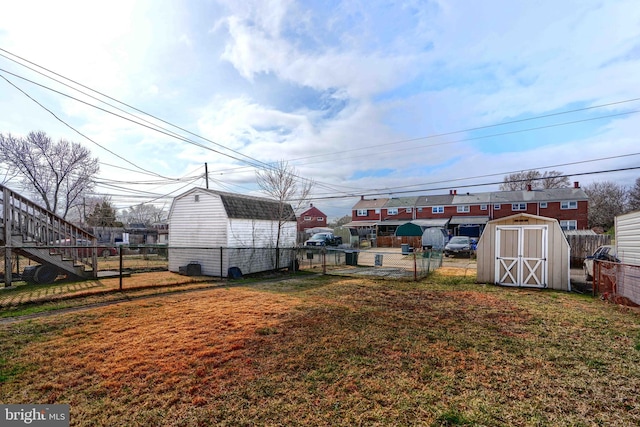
pixel 409 229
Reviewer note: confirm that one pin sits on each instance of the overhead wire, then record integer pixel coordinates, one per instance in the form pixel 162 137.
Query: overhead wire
pixel 332 186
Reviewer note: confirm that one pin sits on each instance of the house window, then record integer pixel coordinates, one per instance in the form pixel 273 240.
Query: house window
pixel 377 211
pixel 463 209
pixel 569 204
pixel 437 209
pixel 408 210
pixel 419 209
pixel 197 198
pixel 392 211
pixel 570 224
pixel 320 218
pixel 496 207
pixel 543 205
pixel 518 206
pixel 362 212
pixel 483 207
pixel 307 218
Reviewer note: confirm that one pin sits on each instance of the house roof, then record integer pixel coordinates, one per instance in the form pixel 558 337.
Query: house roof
pixel 401 202
pixel 469 220
pixel 370 203
pixel 548 195
pixel 312 211
pixel 435 200
pixel 495 197
pixel 240 206
pixel 435 222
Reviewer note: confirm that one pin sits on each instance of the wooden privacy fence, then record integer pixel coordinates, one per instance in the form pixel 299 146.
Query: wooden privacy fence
pixel 584 245
pixel 397 242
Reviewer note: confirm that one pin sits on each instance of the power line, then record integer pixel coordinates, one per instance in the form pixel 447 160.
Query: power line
pixel 381 193
pixel 332 187
pixel 77 131
pixel 357 149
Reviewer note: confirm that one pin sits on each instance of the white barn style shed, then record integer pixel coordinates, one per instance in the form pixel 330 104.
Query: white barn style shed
pixel 524 250
pixel 219 230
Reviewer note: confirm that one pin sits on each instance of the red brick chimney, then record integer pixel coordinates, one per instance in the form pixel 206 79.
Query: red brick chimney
pixel 528 187
pixel 576 184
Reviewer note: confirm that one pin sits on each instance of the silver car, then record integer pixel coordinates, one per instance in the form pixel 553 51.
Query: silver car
pixel 603 253
pixel 458 245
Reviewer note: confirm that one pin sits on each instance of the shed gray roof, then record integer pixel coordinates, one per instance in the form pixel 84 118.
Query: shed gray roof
pixel 240 206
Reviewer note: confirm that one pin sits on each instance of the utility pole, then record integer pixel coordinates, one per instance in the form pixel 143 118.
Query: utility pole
pixel 206 175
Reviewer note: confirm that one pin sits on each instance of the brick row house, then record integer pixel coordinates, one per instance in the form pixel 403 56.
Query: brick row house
pixel 311 218
pixel 467 213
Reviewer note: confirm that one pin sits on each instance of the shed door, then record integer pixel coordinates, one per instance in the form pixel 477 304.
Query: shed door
pixel 521 255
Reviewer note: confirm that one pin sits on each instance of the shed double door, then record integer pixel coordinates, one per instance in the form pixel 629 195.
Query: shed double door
pixel 521 255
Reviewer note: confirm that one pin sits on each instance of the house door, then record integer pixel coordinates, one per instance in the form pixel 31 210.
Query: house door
pixel 521 255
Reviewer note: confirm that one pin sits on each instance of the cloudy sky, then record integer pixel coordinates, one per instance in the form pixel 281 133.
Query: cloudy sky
pixel 364 97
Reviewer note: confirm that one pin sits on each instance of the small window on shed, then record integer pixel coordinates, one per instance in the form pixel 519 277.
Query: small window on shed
pixel 196 198
pixel 483 207
pixel 543 205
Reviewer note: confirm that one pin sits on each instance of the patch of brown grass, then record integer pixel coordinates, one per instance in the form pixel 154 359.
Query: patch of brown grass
pixel 321 351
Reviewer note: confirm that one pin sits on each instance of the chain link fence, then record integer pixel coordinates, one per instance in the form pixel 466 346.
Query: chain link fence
pixel 224 262
pixel 617 282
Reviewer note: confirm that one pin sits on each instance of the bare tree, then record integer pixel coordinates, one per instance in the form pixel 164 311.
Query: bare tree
pixel 341 221
pixel 534 179
pixel 520 181
pixel 282 183
pixel 146 214
pixel 634 196
pixel 606 200
pixel 56 173
pixel 555 179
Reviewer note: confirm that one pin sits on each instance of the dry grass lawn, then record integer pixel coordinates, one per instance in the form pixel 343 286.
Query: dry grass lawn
pixel 330 351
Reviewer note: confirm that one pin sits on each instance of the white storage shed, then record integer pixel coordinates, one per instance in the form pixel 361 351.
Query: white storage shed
pixel 524 250
pixel 219 230
pixel 627 228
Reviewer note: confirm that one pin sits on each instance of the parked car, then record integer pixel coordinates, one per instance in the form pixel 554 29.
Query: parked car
pixel 459 245
pixel 324 239
pixel 82 248
pixel 603 253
